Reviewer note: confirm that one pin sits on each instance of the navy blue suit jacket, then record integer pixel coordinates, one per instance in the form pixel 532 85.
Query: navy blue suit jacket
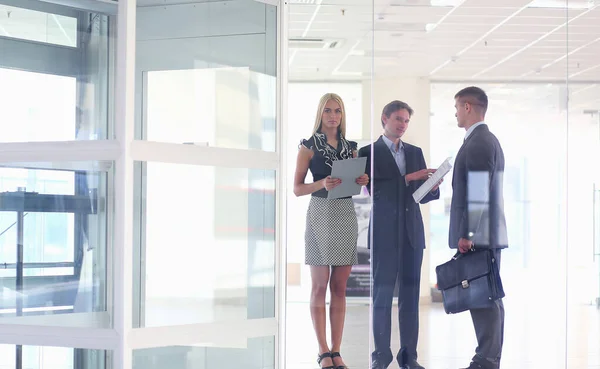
pixel 386 178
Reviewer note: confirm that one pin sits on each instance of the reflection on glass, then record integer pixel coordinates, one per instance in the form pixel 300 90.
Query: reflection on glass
pixel 224 107
pixel 50 92
pixel 584 149
pixel 37 107
pixel 208 244
pixel 53 244
pixel 207 77
pixel 583 279
pixel 38 26
pixel 258 353
pixel 47 357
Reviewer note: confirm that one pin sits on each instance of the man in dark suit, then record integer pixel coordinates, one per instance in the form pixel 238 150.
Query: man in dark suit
pixel 398 169
pixel 477 212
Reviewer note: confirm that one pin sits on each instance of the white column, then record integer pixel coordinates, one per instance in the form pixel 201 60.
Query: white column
pixel 416 93
pixel 123 222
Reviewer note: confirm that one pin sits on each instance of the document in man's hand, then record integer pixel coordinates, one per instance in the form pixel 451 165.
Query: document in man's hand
pixel 347 170
pixel 435 178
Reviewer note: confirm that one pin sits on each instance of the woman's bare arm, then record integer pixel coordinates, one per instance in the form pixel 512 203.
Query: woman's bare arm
pixel 302 164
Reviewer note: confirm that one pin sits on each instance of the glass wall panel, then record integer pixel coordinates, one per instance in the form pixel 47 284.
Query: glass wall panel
pixel 516 51
pixel 530 124
pixel 47 357
pixel 204 236
pixel 303 101
pixel 38 26
pixel 207 244
pixel 207 75
pixel 328 274
pixel 54 242
pixel 56 73
pixel 583 256
pixel 257 353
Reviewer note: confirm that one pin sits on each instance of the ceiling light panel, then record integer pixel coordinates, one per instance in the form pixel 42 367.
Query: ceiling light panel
pixel 495 4
pixel 562 4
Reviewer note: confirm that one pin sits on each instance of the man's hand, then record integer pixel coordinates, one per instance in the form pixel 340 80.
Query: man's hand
pixel 464 245
pixel 435 188
pixel 421 175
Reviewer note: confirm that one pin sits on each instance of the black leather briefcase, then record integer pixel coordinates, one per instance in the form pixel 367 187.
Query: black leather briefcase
pixel 469 281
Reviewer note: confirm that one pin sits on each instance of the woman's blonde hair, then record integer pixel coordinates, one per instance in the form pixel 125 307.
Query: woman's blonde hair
pixel 321 108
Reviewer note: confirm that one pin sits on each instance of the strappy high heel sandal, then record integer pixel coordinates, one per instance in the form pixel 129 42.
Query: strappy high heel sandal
pixel 337 354
pixel 325 355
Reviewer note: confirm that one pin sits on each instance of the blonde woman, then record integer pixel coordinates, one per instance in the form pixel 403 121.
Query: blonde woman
pixel 331 226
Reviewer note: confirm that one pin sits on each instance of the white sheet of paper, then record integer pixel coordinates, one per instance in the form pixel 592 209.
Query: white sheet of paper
pixel 347 170
pixel 432 181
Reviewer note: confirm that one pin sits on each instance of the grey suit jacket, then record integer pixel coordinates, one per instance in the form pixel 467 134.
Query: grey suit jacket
pixel 477 208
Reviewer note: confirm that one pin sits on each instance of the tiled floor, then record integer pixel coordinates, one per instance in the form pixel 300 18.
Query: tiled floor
pixel 534 337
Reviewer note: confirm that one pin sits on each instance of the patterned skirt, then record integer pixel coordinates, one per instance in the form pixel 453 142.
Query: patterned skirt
pixel 331 232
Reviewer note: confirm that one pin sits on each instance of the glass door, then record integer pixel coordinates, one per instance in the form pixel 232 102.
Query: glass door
pixel 583 251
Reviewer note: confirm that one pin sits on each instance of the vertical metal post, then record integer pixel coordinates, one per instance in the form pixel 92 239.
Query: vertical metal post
pixel 597 226
pixel 19 280
pixel 19 286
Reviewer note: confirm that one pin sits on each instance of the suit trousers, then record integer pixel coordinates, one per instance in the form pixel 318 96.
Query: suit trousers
pixel 391 264
pixel 489 329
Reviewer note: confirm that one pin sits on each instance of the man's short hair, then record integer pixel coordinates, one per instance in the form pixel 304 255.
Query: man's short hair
pixel 474 96
pixel 395 106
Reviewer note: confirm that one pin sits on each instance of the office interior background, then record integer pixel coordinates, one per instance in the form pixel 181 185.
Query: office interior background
pixel 147 158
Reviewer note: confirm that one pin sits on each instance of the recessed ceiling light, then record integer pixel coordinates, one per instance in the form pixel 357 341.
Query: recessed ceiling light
pixel 430 27
pixel 303 2
pixel 446 2
pixel 561 4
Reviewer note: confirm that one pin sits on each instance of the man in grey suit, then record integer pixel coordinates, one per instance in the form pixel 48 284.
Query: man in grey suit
pixel 477 218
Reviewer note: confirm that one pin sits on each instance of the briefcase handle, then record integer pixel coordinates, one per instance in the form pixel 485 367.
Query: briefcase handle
pixel 459 254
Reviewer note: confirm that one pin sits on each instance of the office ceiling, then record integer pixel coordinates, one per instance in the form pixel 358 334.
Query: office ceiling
pixel 447 40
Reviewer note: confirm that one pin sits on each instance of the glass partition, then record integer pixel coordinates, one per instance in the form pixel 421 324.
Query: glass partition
pixel 517 53
pixel 177 184
pixel 55 69
pixel 330 51
pixel 55 215
pixel 257 353
pixel 54 243
pixel 583 271
pixel 217 265
pixel 531 126
pixel 206 179
pixel 46 357
pixel 211 82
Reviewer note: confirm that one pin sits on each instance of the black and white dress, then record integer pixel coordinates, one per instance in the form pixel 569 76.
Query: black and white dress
pixel 331 225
